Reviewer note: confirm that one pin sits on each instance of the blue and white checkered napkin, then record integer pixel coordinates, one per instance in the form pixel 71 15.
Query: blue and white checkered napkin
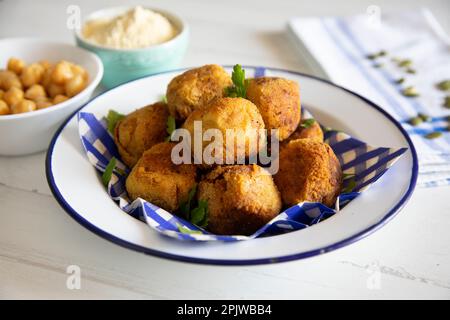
pixel 337 48
pixel 362 165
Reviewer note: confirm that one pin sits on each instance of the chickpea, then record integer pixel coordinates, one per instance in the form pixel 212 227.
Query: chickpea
pixel 35 91
pixel 45 63
pixel 53 90
pixel 9 79
pixel 60 98
pixel 32 74
pixel 47 77
pixel 43 102
pixel 76 69
pixel 4 109
pixel 62 72
pixel 12 82
pixel 75 85
pixel 13 96
pixel 24 106
pixel 4 74
pixel 16 65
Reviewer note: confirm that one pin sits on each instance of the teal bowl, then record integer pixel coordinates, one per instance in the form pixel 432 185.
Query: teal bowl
pixel 122 65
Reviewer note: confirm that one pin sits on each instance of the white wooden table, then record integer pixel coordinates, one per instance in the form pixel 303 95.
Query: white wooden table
pixel 408 258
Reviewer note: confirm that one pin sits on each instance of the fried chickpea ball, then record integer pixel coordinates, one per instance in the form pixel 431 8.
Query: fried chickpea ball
pixel 312 132
pixel 13 96
pixel 238 116
pixel 35 91
pixel 241 199
pixel 140 130
pixel 278 101
pixel 194 88
pixel 23 106
pixel 32 74
pixel 15 65
pixel 158 180
pixel 1 93
pixel 309 171
pixel 4 109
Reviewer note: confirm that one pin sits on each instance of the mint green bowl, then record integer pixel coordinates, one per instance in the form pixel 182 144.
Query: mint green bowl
pixel 122 65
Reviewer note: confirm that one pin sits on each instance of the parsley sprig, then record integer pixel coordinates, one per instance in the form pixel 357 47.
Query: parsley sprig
pixel 171 127
pixel 107 174
pixel 112 119
pixel 350 182
pixel 240 84
pixel 307 123
pixel 185 230
pixel 197 215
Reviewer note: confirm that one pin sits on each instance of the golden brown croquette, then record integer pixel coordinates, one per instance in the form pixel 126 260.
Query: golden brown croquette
pixel 241 199
pixel 195 88
pixel 140 130
pixel 278 101
pixel 158 180
pixel 238 115
pixel 309 171
pixel 312 132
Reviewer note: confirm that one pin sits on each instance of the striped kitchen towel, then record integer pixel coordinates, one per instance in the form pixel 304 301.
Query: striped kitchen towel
pixel 396 60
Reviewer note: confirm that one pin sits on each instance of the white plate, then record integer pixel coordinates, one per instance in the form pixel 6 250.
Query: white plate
pixel 77 186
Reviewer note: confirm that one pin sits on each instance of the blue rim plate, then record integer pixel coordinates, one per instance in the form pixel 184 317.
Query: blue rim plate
pixel 78 190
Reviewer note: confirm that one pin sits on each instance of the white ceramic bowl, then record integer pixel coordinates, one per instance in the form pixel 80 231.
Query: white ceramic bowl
pixel 77 187
pixel 31 132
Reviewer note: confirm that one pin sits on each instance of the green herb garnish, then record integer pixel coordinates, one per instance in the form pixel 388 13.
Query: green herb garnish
pixel 186 230
pixel 347 175
pixel 307 123
pixel 185 206
pixel 171 127
pixel 240 84
pixel 106 176
pixel 112 118
pixel 410 92
pixel 444 85
pixel 164 99
pixel 411 70
pixel 199 215
pixel 400 81
pixel 433 135
pixel 350 186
